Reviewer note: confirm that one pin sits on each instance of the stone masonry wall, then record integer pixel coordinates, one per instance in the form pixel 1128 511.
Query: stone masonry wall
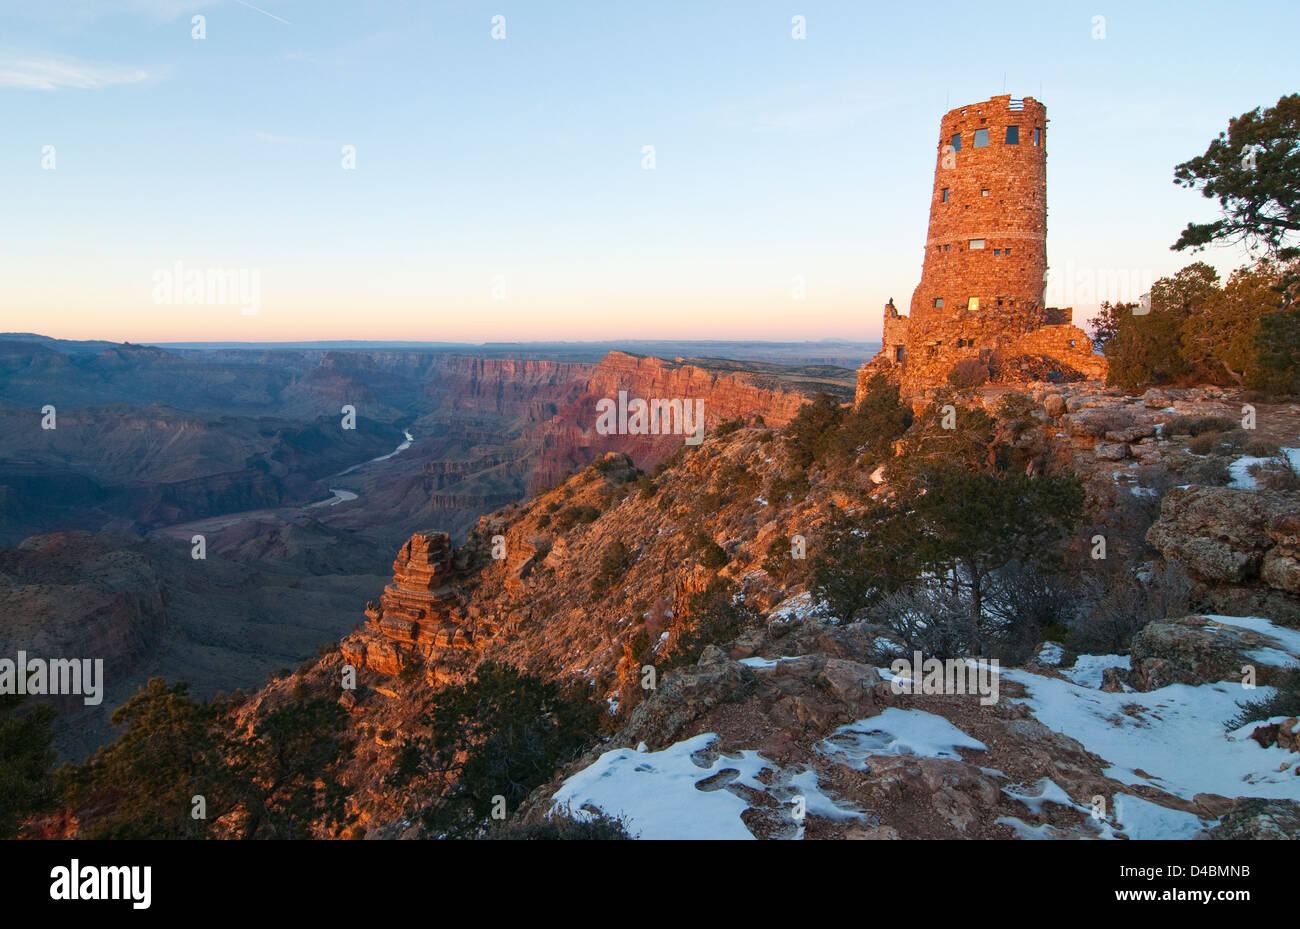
pixel 996 193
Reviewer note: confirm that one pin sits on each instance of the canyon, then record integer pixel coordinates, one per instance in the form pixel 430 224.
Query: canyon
pixel 299 517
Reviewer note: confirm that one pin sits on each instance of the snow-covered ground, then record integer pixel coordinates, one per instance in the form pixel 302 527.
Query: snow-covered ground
pixel 800 606
pixel 1172 739
pixel 1175 735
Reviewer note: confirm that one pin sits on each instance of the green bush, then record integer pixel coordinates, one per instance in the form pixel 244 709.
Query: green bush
pixel 713 617
pixel 503 734
pixel 25 762
pixel 713 556
pixel 777 561
pixel 793 485
pixel 1208 472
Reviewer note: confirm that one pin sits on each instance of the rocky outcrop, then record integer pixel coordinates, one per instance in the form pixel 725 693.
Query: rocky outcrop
pixel 1232 536
pixel 420 615
pixel 1258 819
pixel 1199 650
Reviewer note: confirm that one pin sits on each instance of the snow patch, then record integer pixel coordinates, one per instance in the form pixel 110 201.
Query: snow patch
pixel 655 793
pixel 1051 654
pixel 687 791
pixel 1142 819
pixel 896 732
pixel 1088 669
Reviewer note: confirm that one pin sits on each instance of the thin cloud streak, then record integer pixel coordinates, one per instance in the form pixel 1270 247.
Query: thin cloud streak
pixel 53 74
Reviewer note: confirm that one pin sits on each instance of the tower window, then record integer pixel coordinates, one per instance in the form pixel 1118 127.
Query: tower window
pixel 1038 135
pixel 997 251
pixel 898 353
pixel 984 192
pixel 946 247
pixel 976 244
pixel 1006 251
pixel 956 142
pixel 1013 135
pixel 974 304
pixel 944 199
pixel 938 303
pixel 981 138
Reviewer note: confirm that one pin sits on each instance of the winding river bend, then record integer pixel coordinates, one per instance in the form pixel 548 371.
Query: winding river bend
pixel 217 523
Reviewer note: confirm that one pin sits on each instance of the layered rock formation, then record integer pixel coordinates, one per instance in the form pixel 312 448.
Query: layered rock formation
pixel 421 614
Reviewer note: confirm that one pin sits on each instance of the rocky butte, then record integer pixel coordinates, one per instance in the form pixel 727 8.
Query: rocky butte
pixel 980 301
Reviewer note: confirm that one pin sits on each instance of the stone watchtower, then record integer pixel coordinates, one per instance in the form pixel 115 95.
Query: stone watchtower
pixel 981 295
pixel 987 243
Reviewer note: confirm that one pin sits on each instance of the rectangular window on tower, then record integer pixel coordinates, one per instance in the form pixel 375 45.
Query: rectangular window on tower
pixel 981 138
pixel 944 198
pixel 1038 135
pixel 956 142
pixel 1013 135
pixel 976 244
pixel 938 303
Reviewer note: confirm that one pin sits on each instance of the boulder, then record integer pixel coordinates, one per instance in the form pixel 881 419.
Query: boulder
pixel 851 683
pixel 1220 533
pixel 1197 650
pixel 686 694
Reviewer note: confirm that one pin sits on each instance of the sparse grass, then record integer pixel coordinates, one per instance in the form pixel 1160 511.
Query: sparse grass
pixel 1197 425
pixel 1278 473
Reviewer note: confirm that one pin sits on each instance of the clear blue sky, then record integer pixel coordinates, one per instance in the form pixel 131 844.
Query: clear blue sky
pixel 519 162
